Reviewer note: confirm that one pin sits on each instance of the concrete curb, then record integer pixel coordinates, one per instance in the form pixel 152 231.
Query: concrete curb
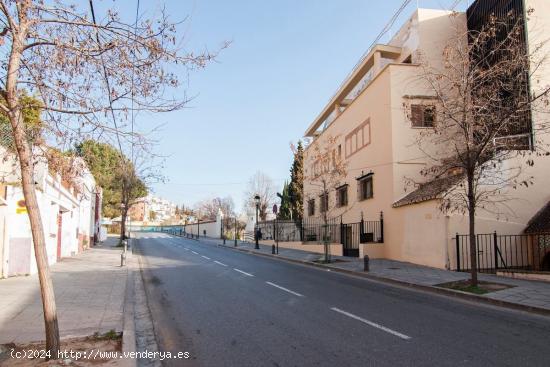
pixel 129 327
pixel 146 337
pixel 427 288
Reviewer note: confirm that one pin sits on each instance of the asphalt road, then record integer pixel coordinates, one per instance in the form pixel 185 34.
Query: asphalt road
pixel 229 308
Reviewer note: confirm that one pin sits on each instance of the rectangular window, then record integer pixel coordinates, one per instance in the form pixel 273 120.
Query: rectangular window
pixel 423 115
pixel 342 196
pixel 311 207
pixel 365 187
pixel 324 203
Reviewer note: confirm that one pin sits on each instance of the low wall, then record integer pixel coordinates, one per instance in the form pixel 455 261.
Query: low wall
pixel 374 250
pixel 525 275
pixel 212 229
pixel 336 249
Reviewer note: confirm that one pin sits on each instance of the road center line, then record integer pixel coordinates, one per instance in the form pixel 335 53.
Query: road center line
pixel 219 263
pixel 285 289
pixel 373 324
pixel 206 257
pixel 196 253
pixel 243 272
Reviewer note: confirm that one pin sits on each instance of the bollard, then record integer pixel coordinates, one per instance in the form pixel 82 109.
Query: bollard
pixel 224 240
pixel 273 249
pixel 122 259
pixel 366 263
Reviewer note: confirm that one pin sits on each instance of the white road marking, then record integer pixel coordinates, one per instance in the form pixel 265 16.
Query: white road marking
pixel 196 253
pixel 219 263
pixel 243 272
pixel 285 289
pixel 206 257
pixel 373 324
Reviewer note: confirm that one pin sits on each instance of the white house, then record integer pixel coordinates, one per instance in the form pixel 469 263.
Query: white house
pixel 70 215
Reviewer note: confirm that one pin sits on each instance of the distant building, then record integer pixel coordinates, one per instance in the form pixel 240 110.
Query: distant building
pixel 152 210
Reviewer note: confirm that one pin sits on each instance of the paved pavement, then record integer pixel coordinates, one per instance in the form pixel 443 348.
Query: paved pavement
pixel 228 308
pixel 523 292
pixel 89 290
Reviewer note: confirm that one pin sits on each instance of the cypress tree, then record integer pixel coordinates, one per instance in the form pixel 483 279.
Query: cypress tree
pixel 286 203
pixel 296 187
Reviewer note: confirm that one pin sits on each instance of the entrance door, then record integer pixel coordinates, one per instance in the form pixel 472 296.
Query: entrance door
pixel 20 256
pixel 347 241
pixel 59 233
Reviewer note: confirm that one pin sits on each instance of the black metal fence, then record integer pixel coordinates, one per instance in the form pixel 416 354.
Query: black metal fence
pixel 504 252
pixel 350 235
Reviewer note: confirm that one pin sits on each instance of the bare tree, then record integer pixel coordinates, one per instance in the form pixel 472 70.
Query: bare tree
pixel 481 137
pixel 135 177
pixel 327 172
pixel 260 184
pixel 89 75
pixel 209 208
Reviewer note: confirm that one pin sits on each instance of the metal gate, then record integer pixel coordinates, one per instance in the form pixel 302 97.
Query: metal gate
pixel 350 239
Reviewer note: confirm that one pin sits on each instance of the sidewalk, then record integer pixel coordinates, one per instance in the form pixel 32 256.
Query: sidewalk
pixel 89 291
pixel 524 294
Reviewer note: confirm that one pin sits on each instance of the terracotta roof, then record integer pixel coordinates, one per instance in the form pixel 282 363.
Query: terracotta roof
pixel 429 190
pixel 540 223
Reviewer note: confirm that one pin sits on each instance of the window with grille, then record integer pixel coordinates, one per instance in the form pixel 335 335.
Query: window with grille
pixel 342 196
pixel 365 187
pixel 423 115
pixel 311 207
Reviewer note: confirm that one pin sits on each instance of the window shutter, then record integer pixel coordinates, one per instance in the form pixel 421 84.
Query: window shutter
pixel 417 115
pixel 429 116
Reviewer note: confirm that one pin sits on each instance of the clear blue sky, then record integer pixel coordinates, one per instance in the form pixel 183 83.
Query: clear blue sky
pixel 286 59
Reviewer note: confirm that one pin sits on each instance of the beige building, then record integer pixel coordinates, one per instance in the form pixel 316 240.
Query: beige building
pixel 367 124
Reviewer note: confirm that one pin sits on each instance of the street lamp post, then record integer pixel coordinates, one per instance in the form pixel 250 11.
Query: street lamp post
pixel 257 200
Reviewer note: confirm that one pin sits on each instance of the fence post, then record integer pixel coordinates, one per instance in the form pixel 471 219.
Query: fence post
pixel 342 235
pixel 495 249
pixel 361 227
pixel 457 240
pixel 382 227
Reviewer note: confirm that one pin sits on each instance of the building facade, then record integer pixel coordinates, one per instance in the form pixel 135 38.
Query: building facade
pixel 70 216
pixel 372 124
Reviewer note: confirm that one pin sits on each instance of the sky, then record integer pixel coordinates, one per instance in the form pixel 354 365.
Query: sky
pixel 285 61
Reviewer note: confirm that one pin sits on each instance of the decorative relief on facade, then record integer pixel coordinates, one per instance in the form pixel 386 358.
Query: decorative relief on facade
pixel 357 139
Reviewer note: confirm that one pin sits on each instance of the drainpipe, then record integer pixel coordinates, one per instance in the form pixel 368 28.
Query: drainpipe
pixel 448 241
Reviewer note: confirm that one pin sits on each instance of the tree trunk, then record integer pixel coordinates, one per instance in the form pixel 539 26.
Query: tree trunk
pixel 123 216
pixel 37 230
pixel 472 230
pixel 25 156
